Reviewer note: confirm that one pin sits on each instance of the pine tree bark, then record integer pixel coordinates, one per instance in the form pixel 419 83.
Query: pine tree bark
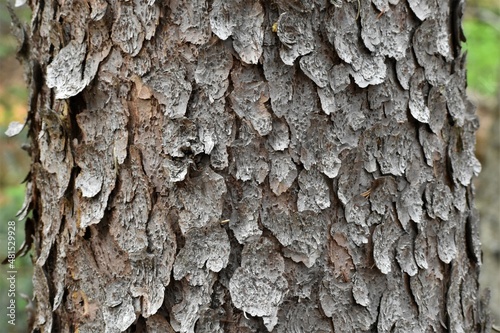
pixel 252 166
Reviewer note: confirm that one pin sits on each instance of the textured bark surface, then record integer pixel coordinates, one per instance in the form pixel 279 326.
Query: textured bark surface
pixel 252 166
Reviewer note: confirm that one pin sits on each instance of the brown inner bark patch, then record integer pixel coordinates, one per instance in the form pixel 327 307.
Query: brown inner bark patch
pixel 338 253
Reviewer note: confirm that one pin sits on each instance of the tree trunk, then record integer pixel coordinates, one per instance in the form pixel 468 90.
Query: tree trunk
pixel 252 166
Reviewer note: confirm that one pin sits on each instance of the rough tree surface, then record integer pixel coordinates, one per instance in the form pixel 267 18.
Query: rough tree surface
pixel 251 166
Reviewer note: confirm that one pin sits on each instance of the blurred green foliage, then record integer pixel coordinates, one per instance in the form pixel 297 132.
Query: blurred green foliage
pixel 483 56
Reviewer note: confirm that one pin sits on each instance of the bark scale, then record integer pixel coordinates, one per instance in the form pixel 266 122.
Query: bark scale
pixel 249 166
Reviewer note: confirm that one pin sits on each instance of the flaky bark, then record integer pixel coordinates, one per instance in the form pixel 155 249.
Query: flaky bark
pixel 243 166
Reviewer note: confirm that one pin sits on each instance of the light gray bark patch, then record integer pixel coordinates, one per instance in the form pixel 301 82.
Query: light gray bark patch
pixel 212 71
pixel 74 17
pixel 454 308
pixel 192 19
pixel 447 245
pixel 306 279
pixel 98 9
pixel 148 137
pixel 43 318
pixel 366 69
pixel 55 150
pixel 99 46
pixel 279 138
pixel 210 321
pixel 396 312
pixel 391 146
pixel 220 19
pixel 405 68
pixel 404 254
pixel 391 97
pixel 337 302
pixel 148 13
pixel 436 102
pixel 152 269
pixel 127 30
pixel 357 210
pixel 423 8
pixel 372 71
pixel 385 236
pixel 280 78
pixel 387 33
pixel 464 163
pixel 382 5
pixel 427 292
pixel 61 269
pixel 432 145
pixel 244 22
pixel 454 99
pixel 302 6
pixel 91 162
pixel 103 126
pixel 25 208
pixel 340 77
pixel 249 158
pixel 427 46
pixel 314 194
pixel 383 194
pixel 206 249
pixel 346 39
pixel 246 198
pixel 302 317
pixel 349 117
pixel 409 205
pixel 468 298
pixel 195 302
pixel 301 110
pixel 215 127
pixel 354 179
pixel 51 211
pixel 180 137
pixel 418 92
pixel 199 200
pixel 418 172
pixel 249 97
pixel 296 35
pixel 258 286
pixel 283 172
pixel 130 207
pixel 66 73
pixel 438 199
pixel 360 290
pixel 327 99
pixel 460 198
pixel 119 318
pixel 303 234
pixel 171 88
pixel 318 65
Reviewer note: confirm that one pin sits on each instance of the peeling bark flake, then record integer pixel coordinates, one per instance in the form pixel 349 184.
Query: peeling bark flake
pixel 65 72
pixel 258 286
pixel 295 34
pixel 249 97
pixel 127 31
pixel 244 22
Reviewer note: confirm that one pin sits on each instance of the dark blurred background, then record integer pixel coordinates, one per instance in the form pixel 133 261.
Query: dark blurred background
pixel 482 29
